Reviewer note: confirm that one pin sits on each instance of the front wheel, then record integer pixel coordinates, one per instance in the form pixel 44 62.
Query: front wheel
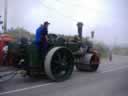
pixel 90 63
pixel 94 63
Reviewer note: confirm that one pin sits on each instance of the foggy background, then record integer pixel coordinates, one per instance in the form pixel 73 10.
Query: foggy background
pixel 108 18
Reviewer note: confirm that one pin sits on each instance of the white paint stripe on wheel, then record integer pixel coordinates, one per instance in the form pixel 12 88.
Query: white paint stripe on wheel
pixel 47 62
pixel 25 89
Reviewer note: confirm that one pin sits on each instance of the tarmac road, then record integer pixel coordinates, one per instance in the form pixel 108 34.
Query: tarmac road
pixel 111 79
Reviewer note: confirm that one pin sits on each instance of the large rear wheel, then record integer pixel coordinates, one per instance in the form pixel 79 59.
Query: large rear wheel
pixel 59 64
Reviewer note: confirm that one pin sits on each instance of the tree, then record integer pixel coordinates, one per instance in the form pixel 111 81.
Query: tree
pixel 20 32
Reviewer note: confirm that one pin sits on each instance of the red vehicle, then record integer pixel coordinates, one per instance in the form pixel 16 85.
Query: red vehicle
pixel 4 39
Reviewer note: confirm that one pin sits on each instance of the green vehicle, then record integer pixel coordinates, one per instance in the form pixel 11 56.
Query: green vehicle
pixel 61 58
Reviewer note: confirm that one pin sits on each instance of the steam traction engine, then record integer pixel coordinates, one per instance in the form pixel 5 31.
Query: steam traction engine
pixel 61 57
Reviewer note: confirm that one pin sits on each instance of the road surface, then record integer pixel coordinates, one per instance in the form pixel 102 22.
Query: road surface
pixel 111 79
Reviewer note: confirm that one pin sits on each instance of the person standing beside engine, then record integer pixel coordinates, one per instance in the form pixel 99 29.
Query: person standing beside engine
pixel 41 38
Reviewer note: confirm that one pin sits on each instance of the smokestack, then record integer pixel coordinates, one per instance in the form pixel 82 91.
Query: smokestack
pixel 92 34
pixel 80 29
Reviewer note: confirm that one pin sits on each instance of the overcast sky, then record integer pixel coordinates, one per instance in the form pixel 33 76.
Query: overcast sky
pixel 109 18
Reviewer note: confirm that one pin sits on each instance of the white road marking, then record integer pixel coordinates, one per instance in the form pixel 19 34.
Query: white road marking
pixel 24 89
pixel 110 67
pixel 115 69
pixel 37 86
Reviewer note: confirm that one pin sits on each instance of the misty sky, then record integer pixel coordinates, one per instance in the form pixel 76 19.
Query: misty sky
pixel 109 18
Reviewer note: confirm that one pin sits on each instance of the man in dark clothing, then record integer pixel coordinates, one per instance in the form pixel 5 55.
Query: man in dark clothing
pixel 42 38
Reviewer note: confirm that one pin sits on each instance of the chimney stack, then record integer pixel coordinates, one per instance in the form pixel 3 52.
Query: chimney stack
pixel 80 29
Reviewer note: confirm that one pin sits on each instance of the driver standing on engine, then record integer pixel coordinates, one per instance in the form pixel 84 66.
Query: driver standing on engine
pixel 42 39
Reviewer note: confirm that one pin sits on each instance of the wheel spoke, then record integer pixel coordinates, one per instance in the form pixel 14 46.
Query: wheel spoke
pixel 56 62
pixel 59 58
